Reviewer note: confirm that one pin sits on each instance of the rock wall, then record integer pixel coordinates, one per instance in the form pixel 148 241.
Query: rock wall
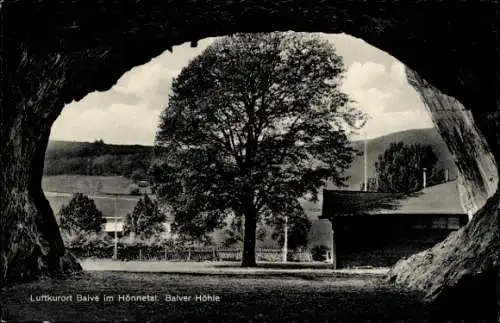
pixel 461 270
pixel 478 175
pixel 458 275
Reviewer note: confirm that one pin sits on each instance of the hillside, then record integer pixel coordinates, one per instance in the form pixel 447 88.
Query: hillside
pixel 100 159
pixel 61 148
pixel 96 158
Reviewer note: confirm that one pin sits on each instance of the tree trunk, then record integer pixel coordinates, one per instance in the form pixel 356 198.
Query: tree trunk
pixel 31 244
pixel 249 242
pixel 460 274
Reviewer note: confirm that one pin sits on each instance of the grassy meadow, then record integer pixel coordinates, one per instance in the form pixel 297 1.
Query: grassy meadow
pixel 268 297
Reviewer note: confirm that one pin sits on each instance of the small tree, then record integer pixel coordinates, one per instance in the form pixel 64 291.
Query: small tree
pixel 146 219
pixel 81 214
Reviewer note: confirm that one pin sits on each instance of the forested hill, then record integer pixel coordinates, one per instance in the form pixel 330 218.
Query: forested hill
pixel 96 158
pixel 101 159
pixel 60 149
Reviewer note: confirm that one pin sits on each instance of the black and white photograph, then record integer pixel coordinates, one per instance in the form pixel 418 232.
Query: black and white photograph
pixel 249 161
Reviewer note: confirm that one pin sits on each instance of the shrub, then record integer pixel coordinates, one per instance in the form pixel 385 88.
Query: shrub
pixel 134 190
pixel 300 255
pixel 319 252
pixel 85 244
pixel 138 175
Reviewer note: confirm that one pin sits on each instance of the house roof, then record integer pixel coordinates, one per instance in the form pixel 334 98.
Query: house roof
pixel 437 199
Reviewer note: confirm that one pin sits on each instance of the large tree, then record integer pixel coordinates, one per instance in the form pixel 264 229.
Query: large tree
pixel 81 214
pixel 146 220
pixel 400 168
pixel 254 123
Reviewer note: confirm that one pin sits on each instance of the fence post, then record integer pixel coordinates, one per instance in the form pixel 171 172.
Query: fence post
pixel 165 253
pixel 140 254
pixel 189 254
pixel 213 254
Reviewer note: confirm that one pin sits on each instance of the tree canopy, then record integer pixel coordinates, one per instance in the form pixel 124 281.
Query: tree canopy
pixel 81 214
pixel 400 168
pixel 254 123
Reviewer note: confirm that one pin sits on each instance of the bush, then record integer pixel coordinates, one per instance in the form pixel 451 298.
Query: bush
pixel 134 240
pixel 101 245
pixel 138 175
pixel 300 255
pixel 84 244
pixel 134 190
pixel 319 252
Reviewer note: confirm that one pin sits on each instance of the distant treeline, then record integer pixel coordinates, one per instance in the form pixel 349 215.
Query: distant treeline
pixel 97 158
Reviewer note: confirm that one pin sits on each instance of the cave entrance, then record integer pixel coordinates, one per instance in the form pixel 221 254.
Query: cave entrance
pixel 125 119
pixel 72 50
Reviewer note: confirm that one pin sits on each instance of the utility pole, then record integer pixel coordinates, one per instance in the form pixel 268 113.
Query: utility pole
pixel 424 180
pixel 285 244
pixel 365 163
pixel 115 250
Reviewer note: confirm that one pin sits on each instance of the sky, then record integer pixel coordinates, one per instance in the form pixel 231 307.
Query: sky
pixel 129 112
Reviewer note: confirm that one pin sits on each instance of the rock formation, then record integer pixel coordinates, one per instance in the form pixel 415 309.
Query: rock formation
pixel 471 253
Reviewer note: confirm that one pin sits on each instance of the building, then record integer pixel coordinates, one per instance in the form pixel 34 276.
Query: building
pixel 111 226
pixel 377 229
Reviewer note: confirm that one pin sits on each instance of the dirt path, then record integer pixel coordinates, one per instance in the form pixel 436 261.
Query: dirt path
pixel 219 267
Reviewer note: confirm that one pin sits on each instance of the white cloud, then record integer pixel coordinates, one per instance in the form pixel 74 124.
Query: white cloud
pixel 129 112
pixel 118 123
pixel 146 79
pixel 385 95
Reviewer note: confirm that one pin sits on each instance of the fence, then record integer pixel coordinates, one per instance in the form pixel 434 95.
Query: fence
pixel 152 253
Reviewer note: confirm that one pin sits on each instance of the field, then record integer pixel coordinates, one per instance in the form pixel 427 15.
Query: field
pixel 59 189
pixel 239 295
pixel 87 184
pixel 106 204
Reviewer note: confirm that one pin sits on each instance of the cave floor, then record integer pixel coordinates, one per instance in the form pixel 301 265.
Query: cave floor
pixel 273 297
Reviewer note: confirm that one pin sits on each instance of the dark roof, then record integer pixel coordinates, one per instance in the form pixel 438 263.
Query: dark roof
pixel 437 199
